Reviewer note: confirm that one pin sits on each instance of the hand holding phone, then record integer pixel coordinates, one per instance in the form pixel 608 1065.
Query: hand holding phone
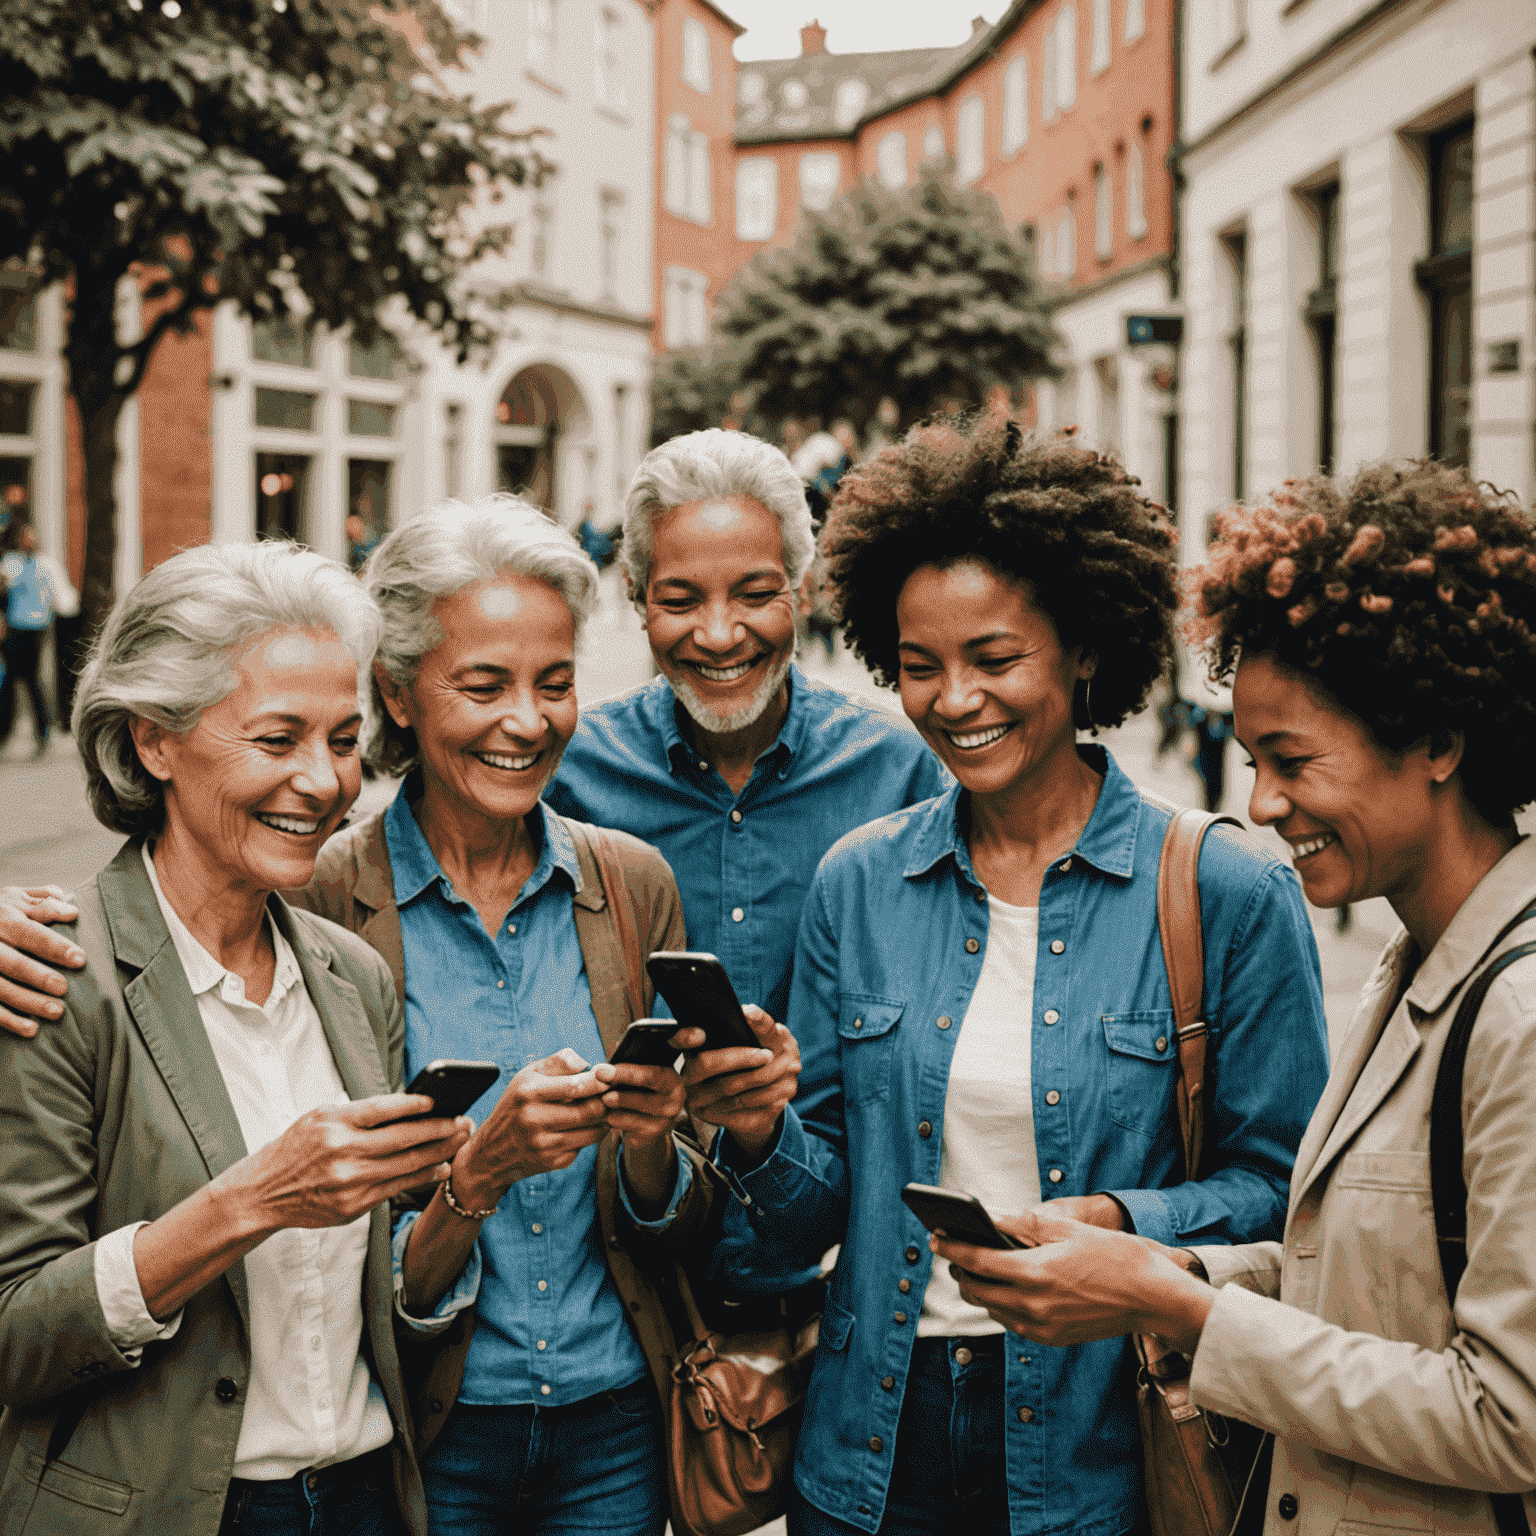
pixel 646 1043
pixel 453 1086
pixel 701 996
pixel 961 1217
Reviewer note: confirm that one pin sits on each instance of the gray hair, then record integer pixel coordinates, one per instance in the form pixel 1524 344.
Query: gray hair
pixel 437 553
pixel 712 464
pixel 167 653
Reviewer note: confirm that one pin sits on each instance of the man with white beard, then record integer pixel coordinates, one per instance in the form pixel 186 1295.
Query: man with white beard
pixel 739 768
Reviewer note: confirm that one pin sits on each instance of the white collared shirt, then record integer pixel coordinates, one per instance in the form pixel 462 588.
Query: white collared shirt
pixel 310 1399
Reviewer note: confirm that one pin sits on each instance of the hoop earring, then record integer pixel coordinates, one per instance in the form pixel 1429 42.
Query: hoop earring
pixel 1088 701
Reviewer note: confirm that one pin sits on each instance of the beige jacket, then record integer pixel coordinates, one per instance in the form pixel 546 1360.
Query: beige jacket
pixel 1389 1412
pixel 111 1116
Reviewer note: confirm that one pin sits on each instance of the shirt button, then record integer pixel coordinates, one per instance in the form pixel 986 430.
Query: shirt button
pixel 1287 1506
pixel 1025 1415
pixel 901 1317
pixel 1051 1016
pixel 944 1021
pixel 537 1228
pixel 1054 1176
pixel 736 817
pixel 1161 1042
pixel 887 1383
pixel 981 895
pixel 501 984
pixel 1053 1097
pixel 913 1255
pixel 876 1443
pixel 903 1286
pixel 924 1129
pixel 858 1023
pixel 703 766
pixel 737 914
pixel 963 1356
pixel 1057 947
pixel 544 1390
pixel 543 1343
pixel 511 927
pixel 544 1284
pixel 971 946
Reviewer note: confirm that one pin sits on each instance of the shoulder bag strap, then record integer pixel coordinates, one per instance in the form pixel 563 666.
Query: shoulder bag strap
pixel 622 915
pixel 1178 922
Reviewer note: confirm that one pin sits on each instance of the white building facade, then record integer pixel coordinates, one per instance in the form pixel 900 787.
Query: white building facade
pixel 1358 227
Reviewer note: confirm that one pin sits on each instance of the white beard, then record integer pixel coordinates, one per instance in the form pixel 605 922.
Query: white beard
pixel 718 724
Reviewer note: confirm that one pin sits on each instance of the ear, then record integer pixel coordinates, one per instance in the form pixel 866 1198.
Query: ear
pixel 1087 665
pixel 392 694
pixel 153 743
pixel 1443 755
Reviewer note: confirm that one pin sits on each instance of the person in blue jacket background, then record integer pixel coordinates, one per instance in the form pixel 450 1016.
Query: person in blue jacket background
pixel 981 1001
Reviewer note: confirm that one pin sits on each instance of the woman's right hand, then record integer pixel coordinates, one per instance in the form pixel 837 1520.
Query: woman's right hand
pixel 26 986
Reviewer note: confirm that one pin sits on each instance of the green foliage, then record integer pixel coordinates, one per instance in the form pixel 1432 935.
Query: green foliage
pixel 922 295
pixel 688 392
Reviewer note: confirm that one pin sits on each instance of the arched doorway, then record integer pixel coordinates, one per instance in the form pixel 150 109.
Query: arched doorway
pixel 541 437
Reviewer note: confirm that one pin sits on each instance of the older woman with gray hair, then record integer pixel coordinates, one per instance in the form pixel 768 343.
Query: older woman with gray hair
pixel 509 931
pixel 197 1326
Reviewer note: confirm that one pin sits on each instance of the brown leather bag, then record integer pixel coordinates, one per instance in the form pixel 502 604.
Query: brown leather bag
pixel 1198 1464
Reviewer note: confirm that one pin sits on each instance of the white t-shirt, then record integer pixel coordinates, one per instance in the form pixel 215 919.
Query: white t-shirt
pixel 989 1117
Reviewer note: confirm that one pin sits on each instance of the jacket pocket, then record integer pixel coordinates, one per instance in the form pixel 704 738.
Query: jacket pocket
pixel 836 1325
pixel 1143 1050
pixel 866 1028
pixel 71 1485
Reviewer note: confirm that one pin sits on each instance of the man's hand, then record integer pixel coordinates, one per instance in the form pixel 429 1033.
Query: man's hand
pixel 744 1088
pixel 1074 1283
pixel 27 987
pixel 643 1105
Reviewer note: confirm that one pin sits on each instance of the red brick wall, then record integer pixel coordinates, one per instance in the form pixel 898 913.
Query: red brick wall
pixel 175 447
pixel 787 157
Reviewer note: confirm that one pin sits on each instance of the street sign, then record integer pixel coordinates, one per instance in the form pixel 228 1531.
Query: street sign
pixel 1141 330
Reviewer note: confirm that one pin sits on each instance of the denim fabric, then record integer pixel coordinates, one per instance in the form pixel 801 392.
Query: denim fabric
pixel 891 944
pixel 347 1500
pixel 548 1313
pixel 836 764
pixel 499 1471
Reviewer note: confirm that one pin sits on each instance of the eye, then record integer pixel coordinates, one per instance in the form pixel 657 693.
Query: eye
pixel 766 595
pixel 344 746
pixel 997 663
pixel 276 743
pixel 560 689
pixel 483 690
pixel 917 669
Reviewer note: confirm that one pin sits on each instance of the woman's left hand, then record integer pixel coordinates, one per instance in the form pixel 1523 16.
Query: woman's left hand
pixel 644 1102
pixel 1075 1283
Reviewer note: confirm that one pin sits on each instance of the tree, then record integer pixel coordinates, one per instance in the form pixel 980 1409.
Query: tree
pixel 301 158
pixel 921 295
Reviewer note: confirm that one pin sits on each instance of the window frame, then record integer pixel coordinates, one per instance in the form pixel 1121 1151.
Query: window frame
pixel 696 48
pixel 1015 126
pixel 766 168
pixel 971 139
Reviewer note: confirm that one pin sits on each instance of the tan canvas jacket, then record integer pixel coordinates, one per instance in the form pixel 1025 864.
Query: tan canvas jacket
pixel 1390 1412
pixel 111 1116
pixel 354 886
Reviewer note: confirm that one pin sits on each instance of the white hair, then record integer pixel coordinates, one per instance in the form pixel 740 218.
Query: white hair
pixel 167 653
pixel 707 465
pixel 437 553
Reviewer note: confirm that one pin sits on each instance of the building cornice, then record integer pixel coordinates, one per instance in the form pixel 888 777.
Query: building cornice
pixel 1063 298
pixel 564 304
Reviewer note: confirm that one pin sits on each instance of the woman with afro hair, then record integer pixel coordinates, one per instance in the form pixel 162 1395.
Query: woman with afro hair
pixel 1383 638
pixel 981 1002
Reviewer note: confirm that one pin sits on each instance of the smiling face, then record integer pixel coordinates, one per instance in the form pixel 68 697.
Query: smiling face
pixel 493 704
pixel 266 774
pixel 719 611
pixel 1358 824
pixel 984 677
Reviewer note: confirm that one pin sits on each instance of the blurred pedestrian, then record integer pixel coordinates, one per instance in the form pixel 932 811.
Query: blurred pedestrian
pixel 884 428
pixel 600 545
pixel 1208 713
pixel 37 589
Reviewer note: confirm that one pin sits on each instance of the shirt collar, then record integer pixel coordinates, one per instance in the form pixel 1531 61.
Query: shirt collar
pixel 414 866
pixel 203 972
pixel 1108 842
pixel 667 707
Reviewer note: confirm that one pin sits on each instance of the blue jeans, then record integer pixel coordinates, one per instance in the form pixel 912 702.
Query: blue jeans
pixel 595 1466
pixel 948 1473
pixel 352 1498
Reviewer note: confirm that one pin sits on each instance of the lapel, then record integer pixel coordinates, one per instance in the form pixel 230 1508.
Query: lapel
pixel 602 949
pixel 373 887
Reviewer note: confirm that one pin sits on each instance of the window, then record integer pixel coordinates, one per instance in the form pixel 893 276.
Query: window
pixel 757 196
pixel 820 173
pixel 370 418
pixel 933 142
pixel 20 332
pixel 1321 315
pixel 1236 246
pixel 367 507
pixel 283 341
pixel 1066 58
pixel 611 211
pixel 1016 106
pixel 1066 243
pixel 970 139
pixel 1098 58
pixel 541 38
pixel 1135 19
pixel 891 160
pixel 282 496
pixel 610 61
pixel 1103 215
pixel 848 102
pixel 291 410
pixel 16 397
pixel 685 308
pixel 1446 277
pixel 686 187
pixel 385 359
pixel 695 54
pixel 1047 249
pixel 453 447
pixel 1135 193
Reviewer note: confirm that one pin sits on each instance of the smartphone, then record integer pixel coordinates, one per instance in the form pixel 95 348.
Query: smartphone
pixel 644 1043
pixel 453 1085
pixel 958 1215
pixel 701 996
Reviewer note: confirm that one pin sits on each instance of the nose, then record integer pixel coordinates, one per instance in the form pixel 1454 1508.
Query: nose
pixel 523 716
pixel 315 773
pixel 959 694
pixel 1268 803
pixel 716 629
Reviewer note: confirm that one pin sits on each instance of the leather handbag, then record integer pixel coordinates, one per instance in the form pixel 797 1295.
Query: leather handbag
pixel 1198 1465
pixel 736 1393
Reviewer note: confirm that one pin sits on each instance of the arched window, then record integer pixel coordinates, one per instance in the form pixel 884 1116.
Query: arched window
pixel 695 54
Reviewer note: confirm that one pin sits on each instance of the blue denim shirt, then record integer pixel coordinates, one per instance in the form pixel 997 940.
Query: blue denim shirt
pixel 744 862
pixel 890 948
pixel 550 1327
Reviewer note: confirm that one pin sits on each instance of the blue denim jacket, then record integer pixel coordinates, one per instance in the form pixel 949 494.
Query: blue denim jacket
pixel 890 948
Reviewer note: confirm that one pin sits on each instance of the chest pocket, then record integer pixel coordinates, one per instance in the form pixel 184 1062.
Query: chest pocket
pixel 866 1028
pixel 1142 1054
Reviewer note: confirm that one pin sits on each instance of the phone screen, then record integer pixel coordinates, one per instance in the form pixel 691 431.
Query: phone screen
pixel 958 1215
pixel 700 994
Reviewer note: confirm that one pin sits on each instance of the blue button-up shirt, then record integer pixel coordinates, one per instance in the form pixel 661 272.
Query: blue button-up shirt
pixel 891 945
pixel 548 1313
pixel 744 862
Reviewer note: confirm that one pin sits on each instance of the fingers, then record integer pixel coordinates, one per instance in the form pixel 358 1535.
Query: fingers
pixel 734 1059
pixel 564 1063
pixel 688 1039
pixel 385 1107
pixel 542 1089
pixel 16 1024
pixel 762 1026
pixel 23 925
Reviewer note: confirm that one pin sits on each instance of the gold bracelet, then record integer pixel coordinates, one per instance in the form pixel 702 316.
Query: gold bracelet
pixel 458 1210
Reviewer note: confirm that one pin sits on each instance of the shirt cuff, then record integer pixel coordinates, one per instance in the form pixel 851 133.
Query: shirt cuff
pixel 681 1184
pixel 122 1300
pixel 463 1293
pixel 1149 1213
pixel 773 1179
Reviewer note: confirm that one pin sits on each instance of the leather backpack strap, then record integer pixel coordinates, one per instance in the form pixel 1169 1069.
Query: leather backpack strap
pixel 621 915
pixel 1178 922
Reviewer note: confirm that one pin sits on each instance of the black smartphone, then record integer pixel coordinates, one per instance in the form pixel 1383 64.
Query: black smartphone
pixel 453 1085
pixel 644 1043
pixel 701 996
pixel 958 1215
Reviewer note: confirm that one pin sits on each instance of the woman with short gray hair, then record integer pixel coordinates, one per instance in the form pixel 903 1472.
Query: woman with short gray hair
pixel 199 1155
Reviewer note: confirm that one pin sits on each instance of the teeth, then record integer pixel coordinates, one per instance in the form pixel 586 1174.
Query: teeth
pixel 501 760
pixel 978 738
pixel 1312 845
pixel 724 674
pixel 288 823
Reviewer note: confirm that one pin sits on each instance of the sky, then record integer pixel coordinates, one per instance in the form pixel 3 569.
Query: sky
pixel 855 26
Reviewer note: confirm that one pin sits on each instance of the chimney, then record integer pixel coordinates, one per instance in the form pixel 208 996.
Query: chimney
pixel 813 39
pixel 978 25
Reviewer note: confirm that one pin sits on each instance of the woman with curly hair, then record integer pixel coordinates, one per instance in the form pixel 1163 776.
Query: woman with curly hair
pixel 980 997
pixel 1384 643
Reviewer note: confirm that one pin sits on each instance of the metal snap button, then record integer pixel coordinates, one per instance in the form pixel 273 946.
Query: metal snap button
pixel 1057 947
pixel 737 914
pixel 1051 1016
pixel 1053 1097
pixel 876 1443
pixel 1054 1175
pixel 944 1021
pixel 913 1255
pixel 887 1382
pixel 924 1129
pixel 736 817
pixel 971 946
pixel 1161 1042
pixel 901 1317
pixel 1025 1415
pixel 963 1356
pixel 903 1286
